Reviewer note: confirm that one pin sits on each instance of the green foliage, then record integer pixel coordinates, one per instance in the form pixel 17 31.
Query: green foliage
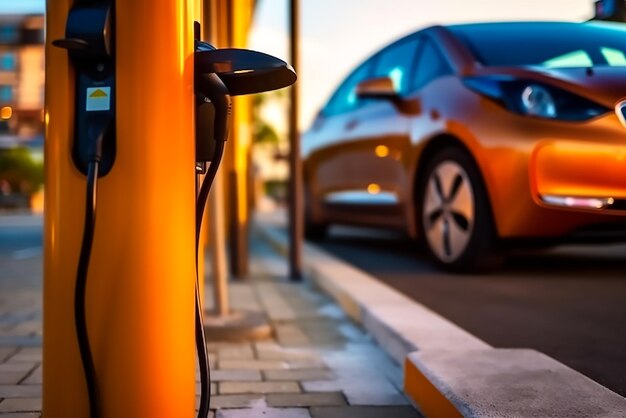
pixel 276 189
pixel 263 132
pixel 260 99
pixel 18 168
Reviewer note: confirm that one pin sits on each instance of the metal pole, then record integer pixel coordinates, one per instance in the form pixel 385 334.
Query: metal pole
pixel 296 232
pixel 218 253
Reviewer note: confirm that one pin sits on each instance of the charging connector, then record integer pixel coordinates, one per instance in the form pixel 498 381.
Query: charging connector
pixel 80 318
pixel 213 90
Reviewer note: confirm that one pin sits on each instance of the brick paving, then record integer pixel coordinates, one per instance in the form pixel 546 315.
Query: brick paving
pixel 318 364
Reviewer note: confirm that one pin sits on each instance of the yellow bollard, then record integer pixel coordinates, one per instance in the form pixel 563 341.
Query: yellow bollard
pixel 140 288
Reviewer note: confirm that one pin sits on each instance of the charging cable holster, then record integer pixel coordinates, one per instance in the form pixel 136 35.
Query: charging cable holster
pixel 222 73
pixel 89 41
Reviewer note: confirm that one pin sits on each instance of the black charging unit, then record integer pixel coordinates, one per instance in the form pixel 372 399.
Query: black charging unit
pixel 89 39
pixel 218 75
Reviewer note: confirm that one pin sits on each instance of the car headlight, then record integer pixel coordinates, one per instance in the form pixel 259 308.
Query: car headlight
pixel 538 101
pixel 532 98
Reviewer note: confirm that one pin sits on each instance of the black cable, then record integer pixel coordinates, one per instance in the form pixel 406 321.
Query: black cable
pixel 81 284
pixel 80 289
pixel 83 268
pixel 203 361
pixel 203 195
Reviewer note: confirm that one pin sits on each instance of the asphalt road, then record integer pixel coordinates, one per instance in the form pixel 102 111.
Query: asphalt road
pixel 568 302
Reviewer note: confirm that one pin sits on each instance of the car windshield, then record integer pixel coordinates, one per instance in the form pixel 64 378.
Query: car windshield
pixel 545 44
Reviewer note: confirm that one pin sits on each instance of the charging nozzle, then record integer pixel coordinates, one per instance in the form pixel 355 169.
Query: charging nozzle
pixel 244 71
pixel 222 73
pixel 213 112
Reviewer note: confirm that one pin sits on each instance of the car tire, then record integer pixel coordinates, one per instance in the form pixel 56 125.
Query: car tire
pixel 454 213
pixel 313 231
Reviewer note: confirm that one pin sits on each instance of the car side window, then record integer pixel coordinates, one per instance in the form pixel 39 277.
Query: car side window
pixel 396 62
pixel 431 65
pixel 345 98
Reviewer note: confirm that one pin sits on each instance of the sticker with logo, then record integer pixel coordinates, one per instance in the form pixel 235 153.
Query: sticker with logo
pixel 98 99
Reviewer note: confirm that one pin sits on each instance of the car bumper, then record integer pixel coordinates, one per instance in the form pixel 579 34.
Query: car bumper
pixel 586 177
pixel 553 179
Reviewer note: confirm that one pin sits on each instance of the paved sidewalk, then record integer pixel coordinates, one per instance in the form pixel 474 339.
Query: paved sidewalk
pixel 319 364
pixel 20 353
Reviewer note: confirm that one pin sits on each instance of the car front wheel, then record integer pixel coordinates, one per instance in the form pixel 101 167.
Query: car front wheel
pixel 313 231
pixel 455 214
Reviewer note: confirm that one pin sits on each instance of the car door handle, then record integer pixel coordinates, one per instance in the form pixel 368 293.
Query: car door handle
pixel 352 124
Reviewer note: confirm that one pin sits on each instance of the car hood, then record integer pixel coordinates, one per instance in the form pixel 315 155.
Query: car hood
pixel 604 85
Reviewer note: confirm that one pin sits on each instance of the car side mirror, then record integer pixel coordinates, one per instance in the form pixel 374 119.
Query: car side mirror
pixel 377 88
pixel 382 88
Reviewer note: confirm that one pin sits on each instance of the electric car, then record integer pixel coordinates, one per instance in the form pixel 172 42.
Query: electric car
pixel 476 138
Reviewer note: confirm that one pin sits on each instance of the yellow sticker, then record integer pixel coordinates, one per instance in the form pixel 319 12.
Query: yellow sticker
pixel 98 99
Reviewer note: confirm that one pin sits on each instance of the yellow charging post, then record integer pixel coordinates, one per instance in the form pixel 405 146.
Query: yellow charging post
pixel 140 288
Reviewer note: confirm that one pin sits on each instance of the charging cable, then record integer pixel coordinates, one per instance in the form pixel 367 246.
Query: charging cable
pixel 80 320
pixel 81 283
pixel 203 361
pixel 216 92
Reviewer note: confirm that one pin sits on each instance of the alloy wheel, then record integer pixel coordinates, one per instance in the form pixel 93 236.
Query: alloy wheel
pixel 448 210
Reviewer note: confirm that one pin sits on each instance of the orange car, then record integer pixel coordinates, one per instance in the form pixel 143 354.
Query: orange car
pixel 475 137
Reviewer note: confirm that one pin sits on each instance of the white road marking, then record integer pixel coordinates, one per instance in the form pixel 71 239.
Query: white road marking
pixel 27 253
pixel 21 220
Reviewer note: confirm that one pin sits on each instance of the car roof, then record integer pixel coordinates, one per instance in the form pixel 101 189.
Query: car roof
pixel 458 53
pixel 474 37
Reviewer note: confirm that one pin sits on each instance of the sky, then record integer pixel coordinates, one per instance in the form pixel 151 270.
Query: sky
pixel 336 35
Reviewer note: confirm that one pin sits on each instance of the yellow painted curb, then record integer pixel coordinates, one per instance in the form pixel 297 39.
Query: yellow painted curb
pixel 423 394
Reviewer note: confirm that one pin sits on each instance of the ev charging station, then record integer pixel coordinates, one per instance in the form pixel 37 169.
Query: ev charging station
pixel 128 83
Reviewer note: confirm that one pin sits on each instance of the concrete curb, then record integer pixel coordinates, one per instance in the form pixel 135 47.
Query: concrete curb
pixel 399 324
pixel 448 371
pixel 504 383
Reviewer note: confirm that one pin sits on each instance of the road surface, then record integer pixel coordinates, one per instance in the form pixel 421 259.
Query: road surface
pixel 569 302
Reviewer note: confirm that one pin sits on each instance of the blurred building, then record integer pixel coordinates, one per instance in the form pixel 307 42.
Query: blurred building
pixel 22 78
